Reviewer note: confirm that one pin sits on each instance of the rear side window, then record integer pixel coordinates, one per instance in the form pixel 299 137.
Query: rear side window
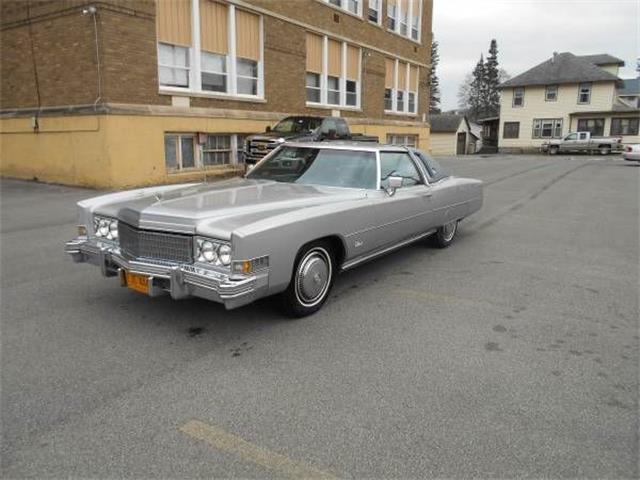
pixel 338 125
pixel 398 164
pixel 434 170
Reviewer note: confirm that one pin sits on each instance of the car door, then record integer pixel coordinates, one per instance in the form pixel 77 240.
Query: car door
pixel 444 191
pixel 406 213
pixel 570 142
pixel 583 141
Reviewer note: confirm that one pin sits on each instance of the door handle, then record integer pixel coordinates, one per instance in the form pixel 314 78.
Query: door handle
pixel 428 194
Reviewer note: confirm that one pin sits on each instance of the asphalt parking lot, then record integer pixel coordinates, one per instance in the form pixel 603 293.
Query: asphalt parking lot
pixel 514 353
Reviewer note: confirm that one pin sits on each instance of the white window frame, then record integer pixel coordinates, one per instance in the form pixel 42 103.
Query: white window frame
pixel 342 79
pixel 377 9
pixel 515 95
pixel 410 16
pixel 547 90
pixel 405 91
pixel 235 147
pixel 195 53
pixel 538 124
pixel 588 87
pixel 178 67
pixel 344 6
pixel 402 139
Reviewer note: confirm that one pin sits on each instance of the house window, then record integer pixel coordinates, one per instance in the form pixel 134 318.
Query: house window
pixel 191 151
pixel 392 14
pixel 551 93
pixel 518 97
pixel 179 152
pixel 313 87
pixel 547 128
pixel 173 65
pixel 402 140
pixel 333 90
pixel 333 72
pixel 374 11
pixel 595 126
pixel 210 58
pixel 388 100
pixel 214 72
pixel 404 17
pixel 511 130
pixel 624 126
pixel 401 87
pixel 584 93
pixel 352 6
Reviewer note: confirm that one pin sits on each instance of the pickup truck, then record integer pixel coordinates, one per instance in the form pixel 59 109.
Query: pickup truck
pixel 583 142
pixel 299 129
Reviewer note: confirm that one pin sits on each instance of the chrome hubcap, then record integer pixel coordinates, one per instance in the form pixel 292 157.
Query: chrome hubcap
pixel 313 277
pixel 449 230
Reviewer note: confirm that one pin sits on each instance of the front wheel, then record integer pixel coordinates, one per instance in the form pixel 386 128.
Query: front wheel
pixel 444 235
pixel 553 150
pixel 311 281
pixel 605 150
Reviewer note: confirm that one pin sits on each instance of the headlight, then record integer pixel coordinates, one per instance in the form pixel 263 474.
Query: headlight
pixel 105 227
pixel 214 252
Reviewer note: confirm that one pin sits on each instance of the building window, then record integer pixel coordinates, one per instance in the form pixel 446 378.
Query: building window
pixel 333 90
pixel 547 128
pixel 518 97
pixel 313 87
pixel 401 87
pixel 333 72
pixel 214 72
pixel 624 126
pixel 511 130
pixel 404 17
pixel 173 65
pixel 584 93
pixel 179 152
pixel 191 151
pixel 352 6
pixel 203 55
pixel 374 11
pixel 402 140
pixel 595 126
pixel 551 93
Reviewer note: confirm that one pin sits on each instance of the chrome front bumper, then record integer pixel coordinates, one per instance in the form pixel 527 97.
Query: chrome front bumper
pixel 178 280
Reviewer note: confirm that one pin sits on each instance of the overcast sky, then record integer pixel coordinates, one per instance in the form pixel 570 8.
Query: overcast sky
pixel 528 32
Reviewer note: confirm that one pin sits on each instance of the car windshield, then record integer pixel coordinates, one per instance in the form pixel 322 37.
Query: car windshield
pixel 297 125
pixel 319 166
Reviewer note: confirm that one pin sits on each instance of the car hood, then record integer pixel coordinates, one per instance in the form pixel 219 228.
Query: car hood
pixel 217 209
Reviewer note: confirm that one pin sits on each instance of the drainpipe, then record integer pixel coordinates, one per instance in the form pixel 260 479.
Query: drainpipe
pixel 93 11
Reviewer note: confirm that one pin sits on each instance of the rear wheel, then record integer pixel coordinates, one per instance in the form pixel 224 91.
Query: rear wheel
pixel 311 281
pixel 444 235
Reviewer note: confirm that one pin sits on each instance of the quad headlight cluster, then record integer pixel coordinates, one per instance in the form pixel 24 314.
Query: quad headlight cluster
pixel 105 228
pixel 213 252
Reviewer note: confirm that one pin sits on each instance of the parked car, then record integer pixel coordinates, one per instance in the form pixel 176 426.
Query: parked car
pixel 300 129
pixel 632 153
pixel 583 142
pixel 303 214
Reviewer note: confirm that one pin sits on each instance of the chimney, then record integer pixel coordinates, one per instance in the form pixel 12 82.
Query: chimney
pixel 553 59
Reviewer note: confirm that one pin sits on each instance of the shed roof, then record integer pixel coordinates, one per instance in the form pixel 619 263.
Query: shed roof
pixel 446 122
pixel 561 68
pixel 603 59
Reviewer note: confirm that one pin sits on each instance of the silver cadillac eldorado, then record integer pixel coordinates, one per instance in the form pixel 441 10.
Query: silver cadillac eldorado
pixel 305 212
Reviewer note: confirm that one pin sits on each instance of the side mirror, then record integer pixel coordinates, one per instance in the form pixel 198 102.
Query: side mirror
pixel 268 129
pixel 394 183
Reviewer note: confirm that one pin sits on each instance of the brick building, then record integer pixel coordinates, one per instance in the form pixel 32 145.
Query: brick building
pixel 116 93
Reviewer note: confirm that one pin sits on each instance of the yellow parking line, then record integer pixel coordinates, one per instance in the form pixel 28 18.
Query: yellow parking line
pixel 229 443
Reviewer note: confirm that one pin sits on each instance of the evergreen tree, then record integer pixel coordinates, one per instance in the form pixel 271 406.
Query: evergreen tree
pixel 477 91
pixel 491 99
pixel 434 83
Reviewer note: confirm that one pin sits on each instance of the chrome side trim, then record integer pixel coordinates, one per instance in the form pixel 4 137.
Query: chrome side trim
pixel 357 261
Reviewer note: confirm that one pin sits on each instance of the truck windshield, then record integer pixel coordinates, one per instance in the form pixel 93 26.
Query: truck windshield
pixel 297 125
pixel 319 166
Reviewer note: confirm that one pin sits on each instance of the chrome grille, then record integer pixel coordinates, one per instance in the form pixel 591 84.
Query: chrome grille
pixel 259 148
pixel 170 247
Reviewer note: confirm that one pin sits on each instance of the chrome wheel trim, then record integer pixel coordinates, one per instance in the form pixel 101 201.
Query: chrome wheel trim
pixel 449 230
pixel 313 277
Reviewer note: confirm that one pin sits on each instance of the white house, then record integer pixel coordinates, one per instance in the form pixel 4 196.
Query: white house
pixel 567 93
